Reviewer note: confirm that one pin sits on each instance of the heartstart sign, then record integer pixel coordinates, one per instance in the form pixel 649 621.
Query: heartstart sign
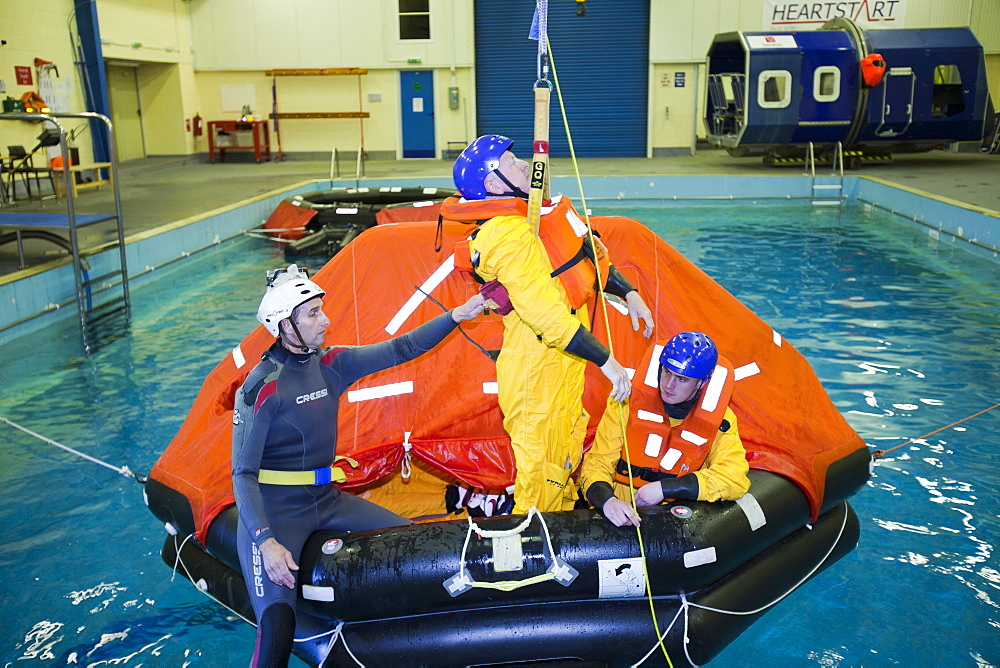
pixel 866 13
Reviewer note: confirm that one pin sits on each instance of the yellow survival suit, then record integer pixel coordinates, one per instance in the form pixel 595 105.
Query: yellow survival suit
pixel 705 442
pixel 540 386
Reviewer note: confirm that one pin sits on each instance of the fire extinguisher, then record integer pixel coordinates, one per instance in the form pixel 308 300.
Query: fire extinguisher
pixel 197 125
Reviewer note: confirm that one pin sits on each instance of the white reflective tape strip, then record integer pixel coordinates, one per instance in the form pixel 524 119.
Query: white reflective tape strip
pixel 346 210
pixel 649 416
pixel 579 227
pixel 357 190
pixel 428 287
pixel 714 390
pixel 317 593
pixel 238 357
pixel 491 388
pixel 420 204
pixel 692 437
pixel 430 191
pixel 396 189
pixel 380 391
pixel 746 371
pixel 618 306
pixel 652 378
pixel 754 513
pixel 653 444
pixel 776 338
pixel 699 557
pixel 670 459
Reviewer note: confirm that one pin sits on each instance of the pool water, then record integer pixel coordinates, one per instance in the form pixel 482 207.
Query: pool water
pixel 902 330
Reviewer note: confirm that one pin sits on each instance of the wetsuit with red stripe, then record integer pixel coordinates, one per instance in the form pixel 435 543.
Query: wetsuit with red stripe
pixel 285 419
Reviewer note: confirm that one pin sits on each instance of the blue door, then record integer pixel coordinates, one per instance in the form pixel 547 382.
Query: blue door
pixel 603 61
pixel 417 94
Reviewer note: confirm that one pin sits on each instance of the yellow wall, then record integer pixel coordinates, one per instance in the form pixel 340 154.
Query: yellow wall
pixel 155 34
pixel 22 25
pixel 673 128
pixel 186 51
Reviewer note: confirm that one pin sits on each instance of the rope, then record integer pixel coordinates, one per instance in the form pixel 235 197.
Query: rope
pixel 464 333
pixel 336 633
pixel 508 585
pixel 686 605
pixel 123 470
pixel 607 325
pixel 879 454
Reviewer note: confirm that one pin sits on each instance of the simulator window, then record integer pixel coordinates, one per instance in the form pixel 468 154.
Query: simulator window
pixel 947 99
pixel 414 19
pixel 774 89
pixel 826 84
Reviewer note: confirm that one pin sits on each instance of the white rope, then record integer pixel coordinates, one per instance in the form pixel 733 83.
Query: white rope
pixel 405 467
pixel 335 632
pixel 501 533
pixel 686 604
pixel 123 470
pixel 204 592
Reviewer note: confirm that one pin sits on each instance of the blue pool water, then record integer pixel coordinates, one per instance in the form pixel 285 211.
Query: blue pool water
pixel 903 331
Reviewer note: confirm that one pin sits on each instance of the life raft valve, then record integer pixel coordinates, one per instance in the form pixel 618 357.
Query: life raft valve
pixel 562 572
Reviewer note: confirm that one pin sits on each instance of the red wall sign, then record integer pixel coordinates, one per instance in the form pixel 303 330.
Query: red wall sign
pixel 23 75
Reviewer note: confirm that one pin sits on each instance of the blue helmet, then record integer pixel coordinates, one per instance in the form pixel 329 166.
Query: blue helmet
pixel 476 162
pixel 690 354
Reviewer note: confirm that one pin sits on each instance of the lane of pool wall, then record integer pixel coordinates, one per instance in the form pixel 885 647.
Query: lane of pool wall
pixel 30 297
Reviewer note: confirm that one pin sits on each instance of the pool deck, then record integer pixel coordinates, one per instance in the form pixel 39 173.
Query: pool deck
pixel 161 191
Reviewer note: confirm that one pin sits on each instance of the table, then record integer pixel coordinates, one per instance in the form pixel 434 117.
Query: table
pixel 98 181
pixel 227 135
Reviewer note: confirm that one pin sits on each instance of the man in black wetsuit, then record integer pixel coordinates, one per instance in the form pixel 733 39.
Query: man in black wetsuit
pixel 285 443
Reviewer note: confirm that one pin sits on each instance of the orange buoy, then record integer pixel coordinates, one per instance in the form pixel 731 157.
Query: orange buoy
pixel 873 69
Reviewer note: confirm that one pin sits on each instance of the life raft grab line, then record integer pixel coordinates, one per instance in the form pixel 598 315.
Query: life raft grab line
pixel 607 326
pixel 879 454
pixel 123 470
pixel 507 552
pixel 686 605
pixel 202 587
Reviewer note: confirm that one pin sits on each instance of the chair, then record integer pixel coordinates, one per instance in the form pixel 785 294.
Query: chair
pixel 22 163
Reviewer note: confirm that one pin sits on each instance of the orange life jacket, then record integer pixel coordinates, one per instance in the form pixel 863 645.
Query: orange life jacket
pixel 561 230
pixel 654 446
pixel 873 69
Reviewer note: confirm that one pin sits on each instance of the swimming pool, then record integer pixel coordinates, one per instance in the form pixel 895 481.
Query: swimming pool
pixel 901 329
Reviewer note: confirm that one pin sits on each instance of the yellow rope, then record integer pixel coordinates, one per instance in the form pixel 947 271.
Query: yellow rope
pixel 607 326
pixel 879 454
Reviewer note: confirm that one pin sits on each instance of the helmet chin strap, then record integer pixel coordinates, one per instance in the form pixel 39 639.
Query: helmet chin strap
pixel 514 190
pixel 298 335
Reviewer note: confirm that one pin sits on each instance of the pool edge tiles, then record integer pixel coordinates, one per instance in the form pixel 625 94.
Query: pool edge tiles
pixel 975 228
pixel 32 297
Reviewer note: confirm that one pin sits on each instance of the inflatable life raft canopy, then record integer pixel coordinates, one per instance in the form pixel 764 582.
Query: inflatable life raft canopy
pixel 441 408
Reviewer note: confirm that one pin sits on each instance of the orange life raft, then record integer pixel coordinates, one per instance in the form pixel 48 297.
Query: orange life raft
pixel 426 593
pixel 451 420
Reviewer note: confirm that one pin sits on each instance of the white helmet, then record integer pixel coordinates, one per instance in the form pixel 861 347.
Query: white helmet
pixel 286 289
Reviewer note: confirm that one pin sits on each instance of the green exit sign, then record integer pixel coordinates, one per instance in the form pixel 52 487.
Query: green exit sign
pixel 413 60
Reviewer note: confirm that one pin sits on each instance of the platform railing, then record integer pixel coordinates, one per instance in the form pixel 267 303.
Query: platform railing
pixel 82 285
